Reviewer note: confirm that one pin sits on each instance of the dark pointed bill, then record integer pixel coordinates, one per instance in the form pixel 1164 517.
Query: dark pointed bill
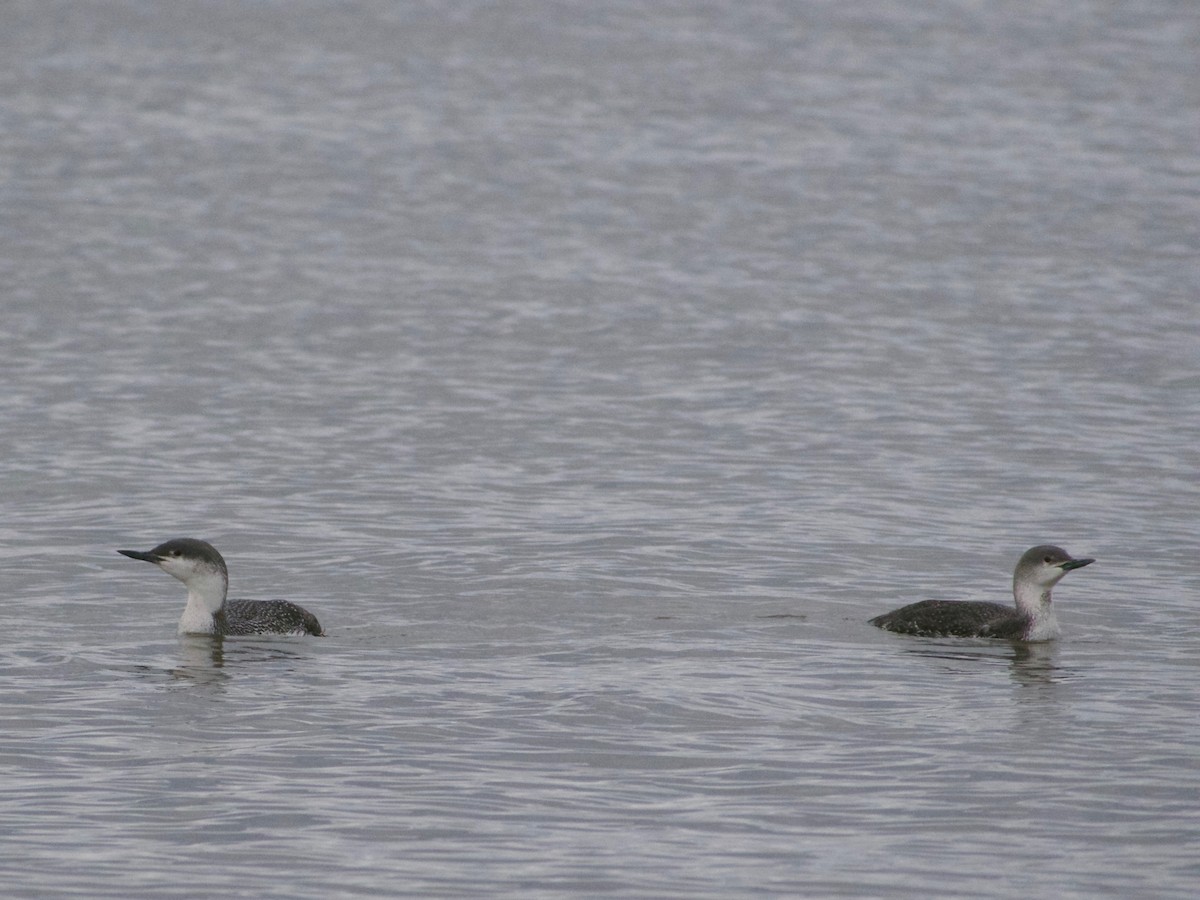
pixel 138 554
pixel 1075 564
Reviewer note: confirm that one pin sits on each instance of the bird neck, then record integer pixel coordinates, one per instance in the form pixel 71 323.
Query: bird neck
pixel 1033 602
pixel 206 598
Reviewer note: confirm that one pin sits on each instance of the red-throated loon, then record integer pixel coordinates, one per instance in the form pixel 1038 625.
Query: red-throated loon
pixel 200 567
pixel 1039 569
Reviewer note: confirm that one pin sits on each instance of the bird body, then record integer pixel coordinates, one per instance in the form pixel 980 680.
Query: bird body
pixel 1031 619
pixel 209 611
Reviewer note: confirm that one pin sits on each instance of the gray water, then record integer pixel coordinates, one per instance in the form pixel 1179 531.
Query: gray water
pixel 594 371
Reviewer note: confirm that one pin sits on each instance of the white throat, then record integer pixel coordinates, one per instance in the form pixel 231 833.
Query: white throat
pixel 206 597
pixel 1033 600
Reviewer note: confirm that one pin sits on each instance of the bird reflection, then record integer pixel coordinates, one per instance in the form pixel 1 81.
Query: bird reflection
pixel 1029 662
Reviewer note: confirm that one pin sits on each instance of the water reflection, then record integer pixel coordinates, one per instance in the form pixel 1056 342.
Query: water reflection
pixel 202 659
pixel 1029 662
pixel 205 659
pixel 1036 663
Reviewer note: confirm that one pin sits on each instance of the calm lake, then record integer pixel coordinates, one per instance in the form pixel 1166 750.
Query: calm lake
pixel 594 372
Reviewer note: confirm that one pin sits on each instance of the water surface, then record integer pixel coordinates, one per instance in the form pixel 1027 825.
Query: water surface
pixel 594 372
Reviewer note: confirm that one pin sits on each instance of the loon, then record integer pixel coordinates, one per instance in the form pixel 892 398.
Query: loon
pixel 199 566
pixel 1038 570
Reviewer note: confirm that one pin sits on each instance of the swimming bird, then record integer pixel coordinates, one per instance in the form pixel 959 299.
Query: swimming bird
pixel 200 567
pixel 1038 570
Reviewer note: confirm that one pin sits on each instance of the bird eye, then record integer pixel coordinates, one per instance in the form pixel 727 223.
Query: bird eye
pixel 1048 559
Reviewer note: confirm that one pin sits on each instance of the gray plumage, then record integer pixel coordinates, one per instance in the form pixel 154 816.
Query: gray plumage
pixel 964 618
pixel 202 569
pixel 1031 619
pixel 266 617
